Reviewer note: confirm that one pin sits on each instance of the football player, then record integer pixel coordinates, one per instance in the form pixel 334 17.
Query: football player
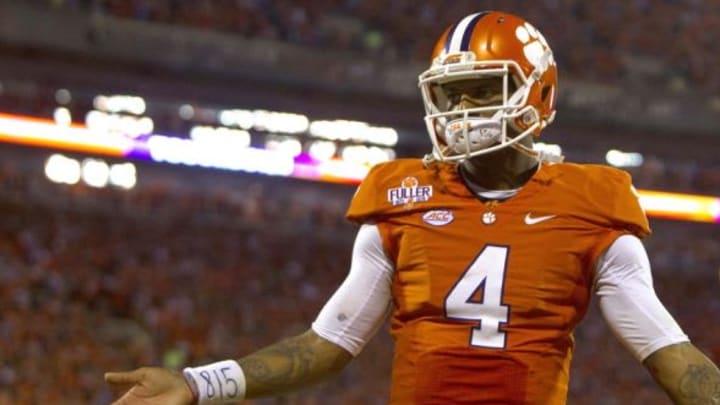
pixel 485 253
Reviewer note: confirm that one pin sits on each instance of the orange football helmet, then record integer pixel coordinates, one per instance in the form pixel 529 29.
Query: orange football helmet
pixel 488 46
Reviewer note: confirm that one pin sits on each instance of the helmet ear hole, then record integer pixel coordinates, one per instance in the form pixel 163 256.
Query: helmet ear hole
pixel 544 93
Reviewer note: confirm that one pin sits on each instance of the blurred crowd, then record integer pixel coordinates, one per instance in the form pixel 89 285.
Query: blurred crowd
pixel 104 279
pixel 195 266
pixel 686 176
pixel 610 40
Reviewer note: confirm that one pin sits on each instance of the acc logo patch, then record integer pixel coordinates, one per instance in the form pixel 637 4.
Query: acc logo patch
pixel 438 217
pixel 409 192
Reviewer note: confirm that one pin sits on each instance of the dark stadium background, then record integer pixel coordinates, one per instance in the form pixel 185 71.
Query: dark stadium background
pixel 194 264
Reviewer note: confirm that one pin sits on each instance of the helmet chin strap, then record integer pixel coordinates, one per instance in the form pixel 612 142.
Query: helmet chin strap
pixel 538 154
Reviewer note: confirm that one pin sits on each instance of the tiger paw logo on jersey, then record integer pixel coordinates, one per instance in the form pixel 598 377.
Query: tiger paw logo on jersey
pixel 409 193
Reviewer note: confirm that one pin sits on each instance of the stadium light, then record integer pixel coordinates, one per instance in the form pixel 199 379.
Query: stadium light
pixel 624 159
pixel 287 123
pixel 62 116
pixel 186 112
pixel 549 148
pixel 358 131
pixel 123 175
pixel 120 104
pixel 288 145
pixel 221 138
pixel 61 169
pixel 63 96
pixel 687 207
pixel 322 150
pixel 95 172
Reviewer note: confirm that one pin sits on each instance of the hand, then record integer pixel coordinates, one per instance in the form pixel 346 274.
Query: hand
pixel 151 386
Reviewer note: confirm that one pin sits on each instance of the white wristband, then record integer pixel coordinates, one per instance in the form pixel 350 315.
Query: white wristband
pixel 217 383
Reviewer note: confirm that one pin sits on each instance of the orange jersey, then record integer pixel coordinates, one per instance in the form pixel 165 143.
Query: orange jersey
pixel 487 294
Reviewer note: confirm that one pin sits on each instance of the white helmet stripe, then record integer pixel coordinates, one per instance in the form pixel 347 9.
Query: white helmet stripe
pixel 459 36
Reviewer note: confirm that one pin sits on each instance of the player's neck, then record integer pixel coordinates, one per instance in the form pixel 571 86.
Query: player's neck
pixel 504 170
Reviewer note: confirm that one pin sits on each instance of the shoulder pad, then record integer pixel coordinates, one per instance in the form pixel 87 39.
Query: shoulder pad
pixel 393 188
pixel 605 195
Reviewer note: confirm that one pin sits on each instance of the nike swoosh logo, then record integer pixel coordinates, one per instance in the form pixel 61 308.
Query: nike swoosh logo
pixel 530 220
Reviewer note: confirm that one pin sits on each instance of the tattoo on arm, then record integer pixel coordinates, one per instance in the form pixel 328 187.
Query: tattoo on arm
pixel 284 361
pixel 290 364
pixel 256 369
pixel 700 385
pixel 686 374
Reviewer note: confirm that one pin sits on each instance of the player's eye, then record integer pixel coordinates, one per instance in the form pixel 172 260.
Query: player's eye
pixel 478 92
pixel 477 96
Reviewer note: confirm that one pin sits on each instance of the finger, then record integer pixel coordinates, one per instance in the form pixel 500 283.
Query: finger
pixel 124 377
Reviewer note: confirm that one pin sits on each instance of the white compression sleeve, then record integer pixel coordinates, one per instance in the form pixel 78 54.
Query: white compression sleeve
pixel 360 305
pixel 628 302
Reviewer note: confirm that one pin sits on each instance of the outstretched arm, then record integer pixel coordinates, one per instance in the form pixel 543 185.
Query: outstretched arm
pixel 638 318
pixel 284 366
pixel 292 363
pixel 342 328
pixel 687 375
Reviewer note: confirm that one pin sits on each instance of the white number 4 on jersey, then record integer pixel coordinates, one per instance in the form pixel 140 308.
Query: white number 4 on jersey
pixel 487 274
